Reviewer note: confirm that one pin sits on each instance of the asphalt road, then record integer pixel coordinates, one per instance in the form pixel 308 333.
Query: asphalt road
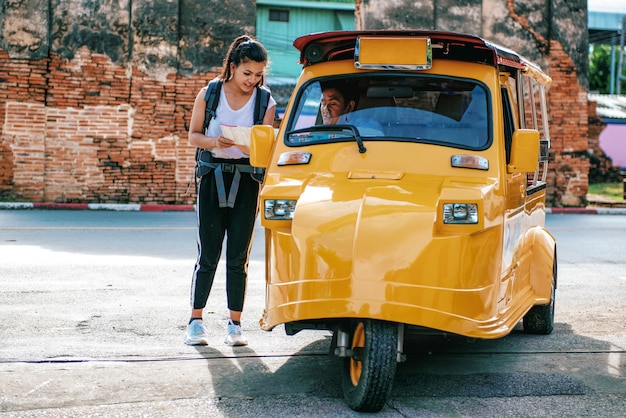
pixel 93 306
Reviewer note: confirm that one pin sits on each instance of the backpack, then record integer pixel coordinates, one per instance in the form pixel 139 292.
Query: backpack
pixel 204 159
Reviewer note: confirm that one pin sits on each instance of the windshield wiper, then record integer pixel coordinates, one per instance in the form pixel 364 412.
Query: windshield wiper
pixel 357 136
pixel 305 135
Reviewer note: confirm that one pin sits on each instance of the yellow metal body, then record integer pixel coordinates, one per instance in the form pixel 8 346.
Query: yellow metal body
pixel 367 238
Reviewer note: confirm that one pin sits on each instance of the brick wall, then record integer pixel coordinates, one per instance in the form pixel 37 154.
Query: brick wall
pixel 98 134
pixel 569 131
pixel 22 113
pixel 96 97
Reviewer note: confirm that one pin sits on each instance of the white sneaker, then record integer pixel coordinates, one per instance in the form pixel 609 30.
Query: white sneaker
pixel 196 333
pixel 235 335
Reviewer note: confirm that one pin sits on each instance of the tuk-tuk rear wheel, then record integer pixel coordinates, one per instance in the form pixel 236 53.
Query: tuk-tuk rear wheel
pixel 540 318
pixel 368 374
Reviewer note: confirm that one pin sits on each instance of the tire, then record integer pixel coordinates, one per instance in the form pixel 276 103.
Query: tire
pixel 540 318
pixel 367 377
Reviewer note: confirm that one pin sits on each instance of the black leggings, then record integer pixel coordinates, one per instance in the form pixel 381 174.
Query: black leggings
pixel 214 223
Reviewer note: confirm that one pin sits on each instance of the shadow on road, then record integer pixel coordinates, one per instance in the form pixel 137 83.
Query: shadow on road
pixel 443 366
pixel 309 374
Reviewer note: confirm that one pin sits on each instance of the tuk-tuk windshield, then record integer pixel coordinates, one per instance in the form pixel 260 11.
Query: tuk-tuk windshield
pixel 434 109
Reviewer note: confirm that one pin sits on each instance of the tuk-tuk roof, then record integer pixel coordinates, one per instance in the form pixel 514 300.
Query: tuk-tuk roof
pixel 337 45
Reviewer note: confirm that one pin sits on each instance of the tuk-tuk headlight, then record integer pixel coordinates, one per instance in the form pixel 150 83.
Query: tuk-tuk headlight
pixel 279 209
pixel 460 213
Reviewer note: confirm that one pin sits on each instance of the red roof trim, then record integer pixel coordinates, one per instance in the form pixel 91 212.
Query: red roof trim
pixel 503 55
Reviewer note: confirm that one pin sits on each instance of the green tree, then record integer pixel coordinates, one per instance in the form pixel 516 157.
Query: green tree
pixel 600 69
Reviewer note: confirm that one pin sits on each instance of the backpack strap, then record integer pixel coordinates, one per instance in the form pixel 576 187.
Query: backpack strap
pixel 261 103
pixel 211 97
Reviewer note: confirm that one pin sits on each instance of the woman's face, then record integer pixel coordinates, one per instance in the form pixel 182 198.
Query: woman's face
pixel 333 105
pixel 247 75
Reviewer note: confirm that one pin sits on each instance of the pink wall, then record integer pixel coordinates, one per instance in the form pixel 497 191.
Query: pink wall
pixel 613 142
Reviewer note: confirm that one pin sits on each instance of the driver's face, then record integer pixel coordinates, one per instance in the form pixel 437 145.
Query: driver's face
pixel 333 105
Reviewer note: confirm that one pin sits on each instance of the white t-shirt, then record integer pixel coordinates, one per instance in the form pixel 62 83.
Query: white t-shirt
pixel 227 116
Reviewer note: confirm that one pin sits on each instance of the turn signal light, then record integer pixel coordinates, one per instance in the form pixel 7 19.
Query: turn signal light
pixel 279 209
pixel 460 213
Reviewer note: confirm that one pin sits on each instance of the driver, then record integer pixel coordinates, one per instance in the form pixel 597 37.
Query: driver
pixel 339 99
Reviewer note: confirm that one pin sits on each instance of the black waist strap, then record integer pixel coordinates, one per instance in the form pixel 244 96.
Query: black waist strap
pixel 219 169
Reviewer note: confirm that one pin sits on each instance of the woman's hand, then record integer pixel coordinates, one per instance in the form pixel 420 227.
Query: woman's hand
pixel 223 142
pixel 243 148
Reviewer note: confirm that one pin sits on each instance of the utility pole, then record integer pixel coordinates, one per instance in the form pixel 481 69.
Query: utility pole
pixel 620 76
pixel 612 82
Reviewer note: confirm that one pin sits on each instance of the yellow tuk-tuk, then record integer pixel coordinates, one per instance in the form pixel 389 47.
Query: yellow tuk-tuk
pixel 424 208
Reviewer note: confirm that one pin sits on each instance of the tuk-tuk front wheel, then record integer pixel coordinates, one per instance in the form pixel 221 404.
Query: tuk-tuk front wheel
pixel 369 372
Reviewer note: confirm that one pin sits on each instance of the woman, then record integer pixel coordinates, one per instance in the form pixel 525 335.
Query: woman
pixel 243 70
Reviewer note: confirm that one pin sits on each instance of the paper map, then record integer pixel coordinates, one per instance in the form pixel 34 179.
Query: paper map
pixel 239 134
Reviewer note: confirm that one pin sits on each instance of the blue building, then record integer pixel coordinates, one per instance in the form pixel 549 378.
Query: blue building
pixel 280 22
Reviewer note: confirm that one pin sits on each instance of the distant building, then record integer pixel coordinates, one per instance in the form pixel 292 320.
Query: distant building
pixel 280 22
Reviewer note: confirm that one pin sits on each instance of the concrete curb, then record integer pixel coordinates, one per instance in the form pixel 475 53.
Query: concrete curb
pixel 97 206
pixel 138 207
pixel 588 211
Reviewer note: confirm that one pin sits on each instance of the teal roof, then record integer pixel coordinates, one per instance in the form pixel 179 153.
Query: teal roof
pixel 309 4
pixel 604 20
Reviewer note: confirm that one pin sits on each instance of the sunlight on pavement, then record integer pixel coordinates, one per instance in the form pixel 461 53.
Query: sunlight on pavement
pixel 34 255
pixel 614 362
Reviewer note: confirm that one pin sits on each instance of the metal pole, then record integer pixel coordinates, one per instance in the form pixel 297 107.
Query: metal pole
pixel 612 83
pixel 621 57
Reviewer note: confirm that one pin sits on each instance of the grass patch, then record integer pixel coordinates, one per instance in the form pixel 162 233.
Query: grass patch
pixel 613 191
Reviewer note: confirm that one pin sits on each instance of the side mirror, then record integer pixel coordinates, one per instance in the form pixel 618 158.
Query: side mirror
pixel 524 151
pixel 261 143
